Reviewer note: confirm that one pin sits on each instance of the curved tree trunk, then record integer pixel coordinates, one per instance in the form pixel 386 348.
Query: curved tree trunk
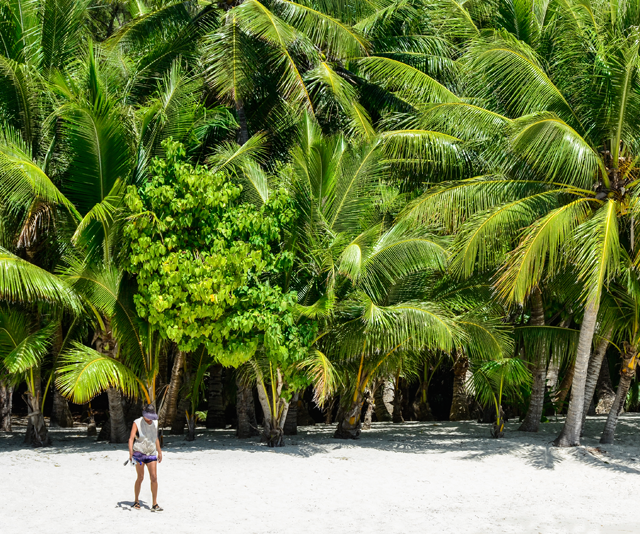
pixel 570 435
pixel 215 411
pixel 245 409
pixel 170 402
pixel 593 372
pixel 383 400
pixel 368 414
pixel 398 398
pixel 564 387
pixel 6 398
pixel 275 413
pixel 328 410
pixel 106 344
pixel 604 389
pixel 60 414
pixel 37 433
pixel 180 420
pixel 119 432
pixel 460 404
pixel 349 425
pixel 421 408
pixel 291 422
pixel 531 421
pixel 627 372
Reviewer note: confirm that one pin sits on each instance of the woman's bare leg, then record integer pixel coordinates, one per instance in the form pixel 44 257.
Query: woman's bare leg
pixel 138 484
pixel 153 474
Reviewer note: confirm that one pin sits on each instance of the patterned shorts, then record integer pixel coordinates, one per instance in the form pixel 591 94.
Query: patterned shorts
pixel 140 458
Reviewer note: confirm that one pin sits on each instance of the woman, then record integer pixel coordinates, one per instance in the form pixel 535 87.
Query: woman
pixel 144 448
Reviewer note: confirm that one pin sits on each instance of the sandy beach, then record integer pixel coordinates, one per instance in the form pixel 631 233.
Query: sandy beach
pixel 414 477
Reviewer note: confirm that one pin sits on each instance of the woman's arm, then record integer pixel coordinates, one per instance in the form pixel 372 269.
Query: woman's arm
pixel 159 450
pixel 132 437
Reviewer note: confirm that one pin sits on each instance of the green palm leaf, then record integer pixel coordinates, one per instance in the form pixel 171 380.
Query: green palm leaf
pixel 85 373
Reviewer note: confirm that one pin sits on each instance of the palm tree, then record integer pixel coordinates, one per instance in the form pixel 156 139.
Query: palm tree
pixel 564 170
pixel 22 348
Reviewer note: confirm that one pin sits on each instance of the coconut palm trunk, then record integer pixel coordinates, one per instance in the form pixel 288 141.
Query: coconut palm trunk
pixel 604 389
pixel 383 397
pixel 245 409
pixel 37 433
pixel 291 422
pixel 349 425
pixel 593 372
pixel 275 409
pixel 6 397
pixel 570 435
pixel 180 421
pixel 460 404
pixel 215 405
pixel 531 422
pixel 421 408
pixel 398 399
pixel 60 413
pixel 170 402
pixel 118 426
pixel 106 344
pixel 627 372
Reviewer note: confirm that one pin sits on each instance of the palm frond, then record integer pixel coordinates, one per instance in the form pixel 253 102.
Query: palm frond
pixel 24 282
pixel 84 373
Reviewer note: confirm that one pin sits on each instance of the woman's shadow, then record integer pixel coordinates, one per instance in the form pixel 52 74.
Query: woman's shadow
pixel 128 505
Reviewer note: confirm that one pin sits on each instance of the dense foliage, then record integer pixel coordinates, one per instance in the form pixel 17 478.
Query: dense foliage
pixel 341 198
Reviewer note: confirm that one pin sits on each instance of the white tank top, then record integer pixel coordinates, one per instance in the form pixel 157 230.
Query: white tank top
pixel 147 435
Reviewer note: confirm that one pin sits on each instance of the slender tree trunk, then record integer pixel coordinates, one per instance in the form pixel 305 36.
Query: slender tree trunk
pixel 604 389
pixel 328 411
pixel 460 404
pixel 6 397
pixel 180 420
pixel 91 422
pixel 531 422
pixel 349 426
pixel 421 408
pixel 161 380
pixel 383 400
pixel 119 431
pixel 106 344
pixel 291 422
pixel 243 132
pixel 627 372
pixel 170 402
pixel 60 414
pixel 215 412
pixel 565 387
pixel 570 435
pixel 593 372
pixel 273 424
pixel 245 408
pixel 191 427
pixel 397 403
pixel 37 433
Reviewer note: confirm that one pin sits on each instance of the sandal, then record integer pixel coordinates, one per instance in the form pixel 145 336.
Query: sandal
pixel 156 508
pixel 136 505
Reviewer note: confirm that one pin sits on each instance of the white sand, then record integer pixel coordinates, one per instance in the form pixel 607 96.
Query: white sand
pixel 415 477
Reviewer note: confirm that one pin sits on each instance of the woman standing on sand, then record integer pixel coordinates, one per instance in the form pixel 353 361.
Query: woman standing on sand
pixel 144 448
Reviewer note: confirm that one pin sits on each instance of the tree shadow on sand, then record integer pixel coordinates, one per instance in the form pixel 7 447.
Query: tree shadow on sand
pixel 469 439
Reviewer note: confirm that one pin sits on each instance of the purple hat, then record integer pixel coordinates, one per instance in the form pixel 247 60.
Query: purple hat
pixel 149 412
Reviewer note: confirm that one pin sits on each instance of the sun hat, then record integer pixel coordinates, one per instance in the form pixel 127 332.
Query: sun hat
pixel 149 412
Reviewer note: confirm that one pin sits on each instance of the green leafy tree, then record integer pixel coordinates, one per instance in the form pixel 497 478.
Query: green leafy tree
pixel 204 263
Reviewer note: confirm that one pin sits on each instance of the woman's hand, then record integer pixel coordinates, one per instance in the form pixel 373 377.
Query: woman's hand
pixel 159 456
